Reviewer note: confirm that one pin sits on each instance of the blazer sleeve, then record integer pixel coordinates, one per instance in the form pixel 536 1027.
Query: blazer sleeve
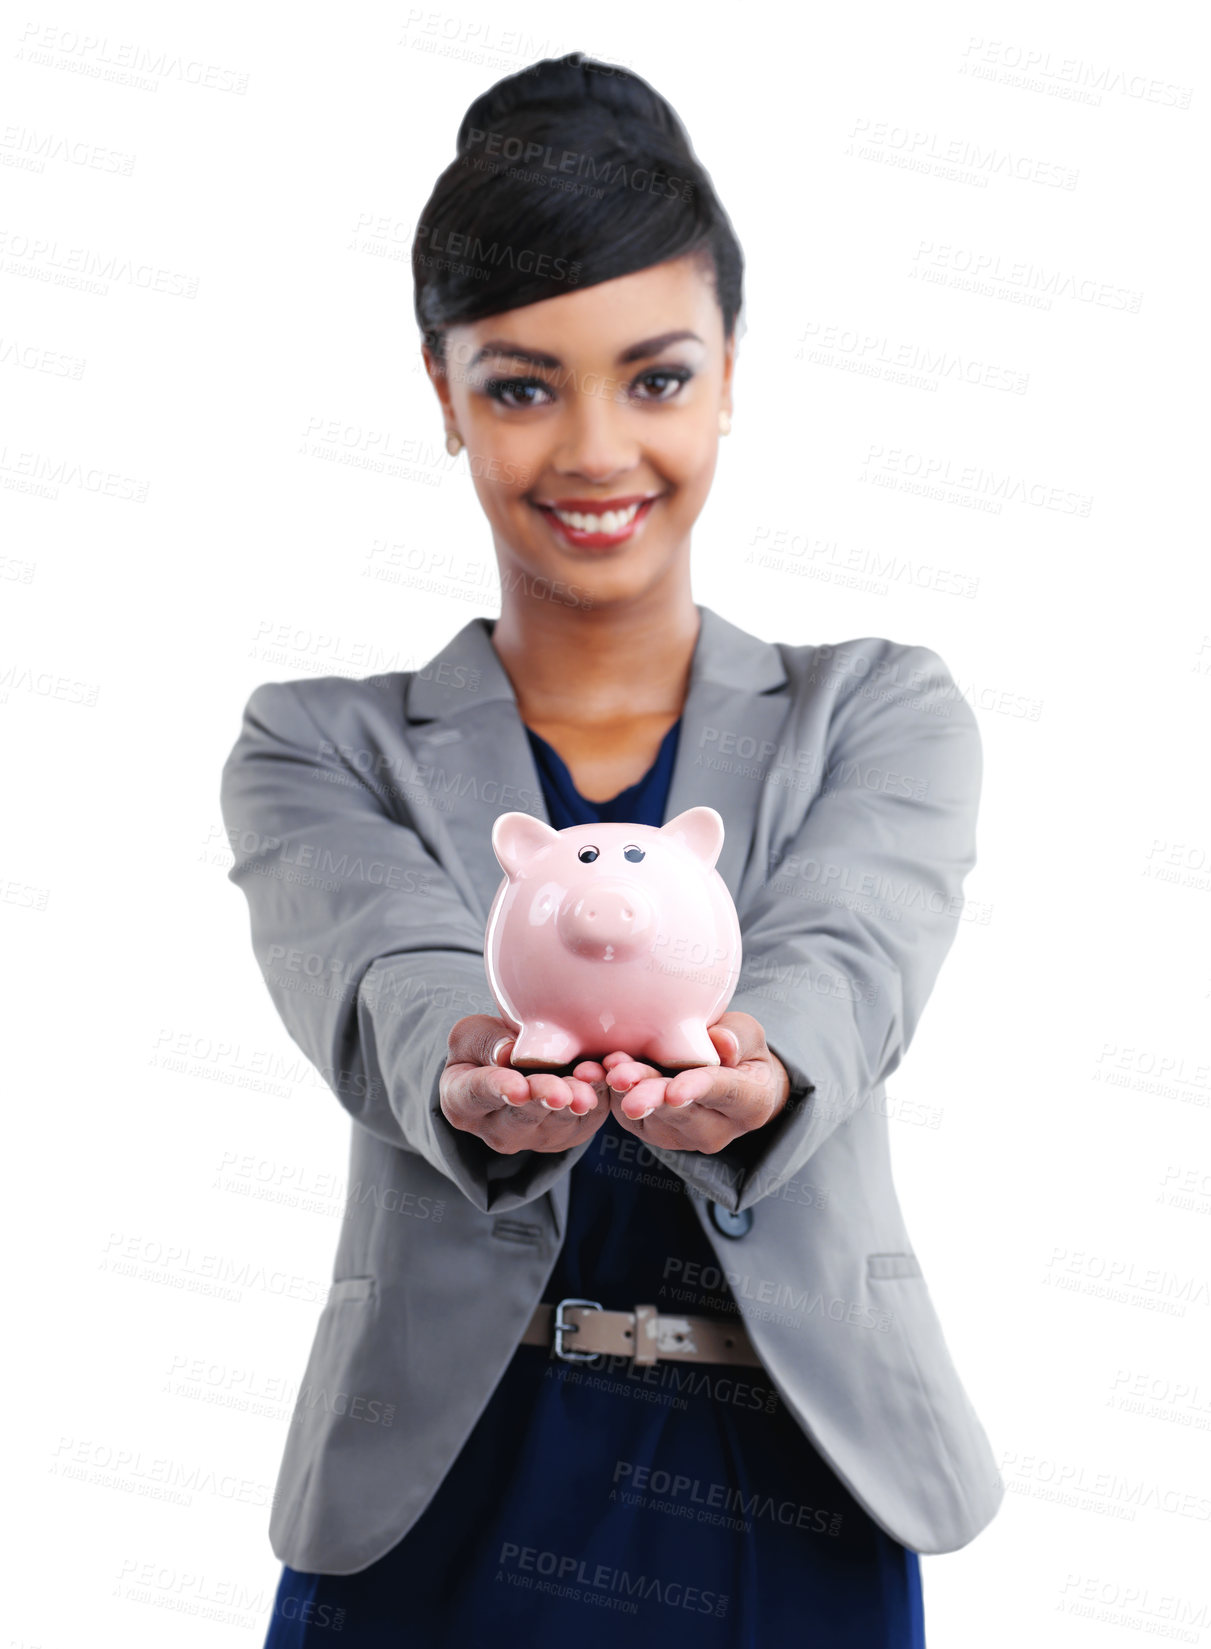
pixel 368 950
pixel 845 939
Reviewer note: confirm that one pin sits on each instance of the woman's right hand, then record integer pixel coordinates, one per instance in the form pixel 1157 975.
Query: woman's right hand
pixel 515 1110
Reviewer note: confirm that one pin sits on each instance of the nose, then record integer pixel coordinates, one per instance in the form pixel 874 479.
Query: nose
pixel 608 922
pixel 596 443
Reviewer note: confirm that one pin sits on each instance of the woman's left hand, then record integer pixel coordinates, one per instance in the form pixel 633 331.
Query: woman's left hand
pixel 706 1107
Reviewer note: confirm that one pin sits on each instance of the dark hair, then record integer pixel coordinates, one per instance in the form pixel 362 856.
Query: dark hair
pixel 568 173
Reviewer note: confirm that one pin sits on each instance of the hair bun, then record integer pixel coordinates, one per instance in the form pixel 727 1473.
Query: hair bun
pixel 525 102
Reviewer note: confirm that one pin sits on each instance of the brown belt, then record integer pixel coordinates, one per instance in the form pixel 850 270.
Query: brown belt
pixel 642 1334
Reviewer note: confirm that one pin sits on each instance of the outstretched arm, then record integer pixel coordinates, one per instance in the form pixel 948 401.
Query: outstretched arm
pixel 843 943
pixel 368 950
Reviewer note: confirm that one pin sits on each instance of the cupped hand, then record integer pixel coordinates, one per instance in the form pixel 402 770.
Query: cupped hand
pixel 704 1108
pixel 511 1110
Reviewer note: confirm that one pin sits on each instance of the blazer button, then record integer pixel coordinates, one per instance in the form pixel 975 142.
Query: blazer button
pixel 731 1225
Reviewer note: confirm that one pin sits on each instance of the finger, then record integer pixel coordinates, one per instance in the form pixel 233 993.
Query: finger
pixel 584 1097
pixel 626 1072
pixel 511 1085
pixel 643 1098
pixel 477 1089
pixel 589 1070
pixel 744 1038
pixel 688 1086
pixel 552 1092
pixel 737 1093
pixel 481 1039
pixel 727 1042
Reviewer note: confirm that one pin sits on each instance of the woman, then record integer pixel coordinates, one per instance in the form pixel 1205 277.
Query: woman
pixel 594 1493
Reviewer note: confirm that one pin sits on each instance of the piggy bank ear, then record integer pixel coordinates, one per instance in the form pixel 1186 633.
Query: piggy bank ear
pixel 701 829
pixel 517 837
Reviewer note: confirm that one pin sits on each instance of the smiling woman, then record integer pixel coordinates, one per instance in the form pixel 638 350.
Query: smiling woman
pixel 556 1468
pixel 602 451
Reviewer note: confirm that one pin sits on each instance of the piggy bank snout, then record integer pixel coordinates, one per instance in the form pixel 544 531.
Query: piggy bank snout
pixel 608 920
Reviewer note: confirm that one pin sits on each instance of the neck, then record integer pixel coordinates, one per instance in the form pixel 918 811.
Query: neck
pixel 610 661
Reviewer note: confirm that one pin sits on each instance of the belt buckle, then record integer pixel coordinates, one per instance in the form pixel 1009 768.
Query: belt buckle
pixel 562 1328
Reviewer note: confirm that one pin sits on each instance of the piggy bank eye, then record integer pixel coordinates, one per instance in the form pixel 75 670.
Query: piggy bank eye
pixel 587 855
pixel 634 854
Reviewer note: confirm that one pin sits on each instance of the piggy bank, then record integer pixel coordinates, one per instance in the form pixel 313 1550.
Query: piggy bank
pixel 612 936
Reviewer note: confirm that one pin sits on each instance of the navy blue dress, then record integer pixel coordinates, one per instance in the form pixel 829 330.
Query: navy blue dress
pixel 595 1505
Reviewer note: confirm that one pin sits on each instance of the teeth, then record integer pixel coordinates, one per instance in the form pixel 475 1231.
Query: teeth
pixel 611 522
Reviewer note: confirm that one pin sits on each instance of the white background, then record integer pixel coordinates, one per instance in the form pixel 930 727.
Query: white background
pixel 182 521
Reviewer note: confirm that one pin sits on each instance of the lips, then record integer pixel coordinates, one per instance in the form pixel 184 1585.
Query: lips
pixel 579 534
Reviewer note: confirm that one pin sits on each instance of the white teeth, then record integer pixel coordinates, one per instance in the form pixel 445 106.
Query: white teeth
pixel 611 522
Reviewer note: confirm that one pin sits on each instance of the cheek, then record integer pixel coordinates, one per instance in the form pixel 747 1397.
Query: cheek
pixel 694 475
pixel 504 462
pixel 501 482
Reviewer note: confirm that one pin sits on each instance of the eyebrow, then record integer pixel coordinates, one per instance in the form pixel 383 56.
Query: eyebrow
pixel 503 347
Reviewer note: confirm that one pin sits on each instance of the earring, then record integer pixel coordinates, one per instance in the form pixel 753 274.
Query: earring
pixel 454 443
pixel 725 423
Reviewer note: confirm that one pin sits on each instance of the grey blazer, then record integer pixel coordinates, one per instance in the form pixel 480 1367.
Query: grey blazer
pixel 360 814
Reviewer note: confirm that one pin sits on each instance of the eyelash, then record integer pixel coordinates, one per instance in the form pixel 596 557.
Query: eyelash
pixel 496 388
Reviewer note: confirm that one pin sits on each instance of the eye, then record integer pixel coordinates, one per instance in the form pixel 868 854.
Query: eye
pixel 678 376
pixel 587 855
pixel 499 389
pixel 634 854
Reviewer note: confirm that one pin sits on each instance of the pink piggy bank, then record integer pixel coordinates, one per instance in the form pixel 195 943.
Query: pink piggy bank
pixel 612 936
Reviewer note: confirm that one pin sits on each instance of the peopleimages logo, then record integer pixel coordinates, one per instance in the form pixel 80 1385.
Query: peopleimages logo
pixel 562 1574
pixel 688 1493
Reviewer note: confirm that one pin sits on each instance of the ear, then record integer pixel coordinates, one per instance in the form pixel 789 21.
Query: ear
pixel 439 377
pixel 701 830
pixel 729 363
pixel 517 837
